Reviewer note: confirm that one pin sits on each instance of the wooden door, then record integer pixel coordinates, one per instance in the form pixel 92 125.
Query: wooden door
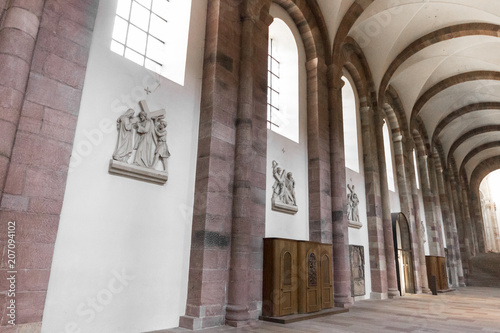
pixel 408 272
pixel 313 296
pixel 287 288
pixel 326 279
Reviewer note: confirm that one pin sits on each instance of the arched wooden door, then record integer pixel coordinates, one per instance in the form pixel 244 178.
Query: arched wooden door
pixel 404 254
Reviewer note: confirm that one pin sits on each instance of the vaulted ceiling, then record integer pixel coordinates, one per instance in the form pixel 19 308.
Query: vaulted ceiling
pixel 442 57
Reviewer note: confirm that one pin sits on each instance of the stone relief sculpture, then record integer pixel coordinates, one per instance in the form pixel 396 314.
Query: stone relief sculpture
pixel 357 256
pixel 124 144
pixel 146 135
pixel 352 208
pixel 283 198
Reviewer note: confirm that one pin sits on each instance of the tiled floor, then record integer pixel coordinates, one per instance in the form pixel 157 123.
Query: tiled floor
pixel 471 309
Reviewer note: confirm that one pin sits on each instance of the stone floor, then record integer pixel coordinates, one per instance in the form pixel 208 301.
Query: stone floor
pixel 470 309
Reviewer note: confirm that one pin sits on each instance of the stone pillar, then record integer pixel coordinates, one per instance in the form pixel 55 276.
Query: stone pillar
pixel 435 248
pixel 404 179
pixel 438 219
pixel 471 239
pixel 448 222
pixel 453 228
pixel 419 248
pixel 375 225
pixel 249 206
pixel 318 148
pixel 44 48
pixel 390 257
pixel 477 218
pixel 340 233
pixel 213 201
pixel 18 33
pixel 455 191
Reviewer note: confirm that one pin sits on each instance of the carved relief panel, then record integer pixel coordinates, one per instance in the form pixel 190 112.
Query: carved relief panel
pixel 357 256
pixel 141 145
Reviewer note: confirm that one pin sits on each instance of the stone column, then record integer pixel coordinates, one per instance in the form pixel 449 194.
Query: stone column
pixel 430 215
pixel 419 249
pixel 404 179
pixel 448 223
pixel 477 218
pixel 438 219
pixel 318 148
pixel 340 233
pixel 44 49
pixel 471 241
pixel 453 228
pixel 249 206
pixel 392 281
pixel 375 225
pixel 463 235
pixel 18 33
pixel 213 201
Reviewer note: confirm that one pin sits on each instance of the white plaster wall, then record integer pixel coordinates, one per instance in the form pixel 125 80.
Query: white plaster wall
pixel 121 256
pixel 290 156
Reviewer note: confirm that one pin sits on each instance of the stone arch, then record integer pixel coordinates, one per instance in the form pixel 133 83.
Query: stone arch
pixel 355 63
pixel 450 82
pixel 311 24
pixel 350 17
pixel 470 134
pixel 462 111
pixel 476 151
pixel 440 35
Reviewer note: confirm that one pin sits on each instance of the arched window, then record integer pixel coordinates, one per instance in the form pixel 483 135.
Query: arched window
pixel 153 34
pixel 388 157
pixel 283 81
pixel 417 178
pixel 349 112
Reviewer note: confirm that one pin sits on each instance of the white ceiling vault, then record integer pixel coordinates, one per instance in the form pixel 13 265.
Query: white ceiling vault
pixel 451 82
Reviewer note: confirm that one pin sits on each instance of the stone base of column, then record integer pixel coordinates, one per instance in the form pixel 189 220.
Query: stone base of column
pixel 393 293
pixel 195 323
pixel 343 302
pixel 375 295
pixel 426 290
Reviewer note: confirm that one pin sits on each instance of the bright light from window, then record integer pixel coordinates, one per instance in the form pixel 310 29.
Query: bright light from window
pixel 153 34
pixel 388 158
pixel 417 178
pixel 349 112
pixel 283 81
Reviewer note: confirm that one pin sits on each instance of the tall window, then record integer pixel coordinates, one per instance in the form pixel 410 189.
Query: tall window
pixel 273 86
pixel 349 113
pixel 153 34
pixel 417 179
pixel 283 81
pixel 388 157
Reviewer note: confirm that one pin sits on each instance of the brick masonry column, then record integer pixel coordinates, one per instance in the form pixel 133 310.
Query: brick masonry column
pixel 453 229
pixel 340 232
pixel 213 201
pixel 42 71
pixel 374 205
pixel 403 168
pixel 430 216
pixel 447 223
pixel 438 218
pixel 18 34
pixel 478 222
pixel 418 221
pixel 471 239
pixel 249 207
pixel 390 256
pixel 318 151
pixel 461 228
